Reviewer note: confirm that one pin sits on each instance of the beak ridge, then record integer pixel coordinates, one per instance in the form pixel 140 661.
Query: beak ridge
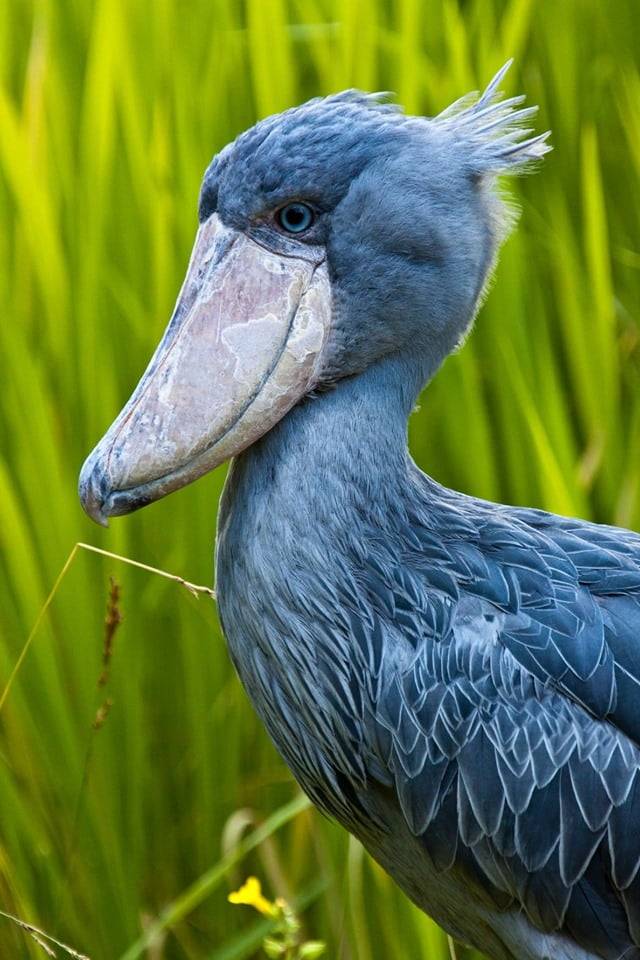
pixel 242 347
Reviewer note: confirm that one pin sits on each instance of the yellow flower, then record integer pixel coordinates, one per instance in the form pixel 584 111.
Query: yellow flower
pixel 250 895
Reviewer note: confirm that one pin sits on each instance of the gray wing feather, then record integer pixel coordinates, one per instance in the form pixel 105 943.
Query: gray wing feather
pixel 480 666
pixel 511 708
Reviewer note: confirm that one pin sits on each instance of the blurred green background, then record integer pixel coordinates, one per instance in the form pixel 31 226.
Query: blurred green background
pixel 109 112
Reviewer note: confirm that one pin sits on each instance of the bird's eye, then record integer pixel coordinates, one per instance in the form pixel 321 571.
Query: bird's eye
pixel 295 217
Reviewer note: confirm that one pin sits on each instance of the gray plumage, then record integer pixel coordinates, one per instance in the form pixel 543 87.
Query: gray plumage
pixel 456 681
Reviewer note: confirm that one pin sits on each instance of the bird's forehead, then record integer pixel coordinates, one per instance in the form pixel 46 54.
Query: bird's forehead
pixel 313 151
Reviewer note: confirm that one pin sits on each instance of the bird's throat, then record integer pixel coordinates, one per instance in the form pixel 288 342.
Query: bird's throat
pixel 333 453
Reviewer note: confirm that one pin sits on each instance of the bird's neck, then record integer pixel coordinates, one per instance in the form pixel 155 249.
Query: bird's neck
pixel 332 479
pixel 339 448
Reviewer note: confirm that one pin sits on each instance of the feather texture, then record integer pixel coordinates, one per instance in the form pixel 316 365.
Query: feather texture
pixel 492 129
pixel 461 657
pixel 457 682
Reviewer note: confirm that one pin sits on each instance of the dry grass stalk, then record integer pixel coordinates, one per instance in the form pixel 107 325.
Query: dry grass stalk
pixel 44 940
pixel 112 621
pixel 195 589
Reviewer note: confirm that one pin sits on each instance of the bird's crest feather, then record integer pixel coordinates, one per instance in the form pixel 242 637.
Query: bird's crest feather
pixel 494 130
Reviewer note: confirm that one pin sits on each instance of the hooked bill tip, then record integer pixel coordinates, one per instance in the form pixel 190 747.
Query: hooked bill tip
pixel 92 494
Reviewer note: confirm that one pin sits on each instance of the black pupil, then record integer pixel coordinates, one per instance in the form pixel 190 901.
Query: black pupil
pixel 295 217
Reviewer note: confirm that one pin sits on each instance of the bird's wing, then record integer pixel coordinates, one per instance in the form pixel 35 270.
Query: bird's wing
pixel 496 668
pixel 514 787
pixel 606 587
pixel 567 592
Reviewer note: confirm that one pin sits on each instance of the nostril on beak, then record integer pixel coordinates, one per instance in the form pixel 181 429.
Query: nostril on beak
pixel 92 489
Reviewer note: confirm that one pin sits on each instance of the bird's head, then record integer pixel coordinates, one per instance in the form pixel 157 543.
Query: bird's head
pixel 331 236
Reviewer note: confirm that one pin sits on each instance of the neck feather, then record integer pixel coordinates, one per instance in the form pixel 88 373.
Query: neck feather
pixel 351 438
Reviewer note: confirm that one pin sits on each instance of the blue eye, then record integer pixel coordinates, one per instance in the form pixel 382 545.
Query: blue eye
pixel 295 217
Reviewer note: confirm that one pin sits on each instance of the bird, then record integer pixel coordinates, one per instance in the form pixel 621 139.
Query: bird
pixel 455 681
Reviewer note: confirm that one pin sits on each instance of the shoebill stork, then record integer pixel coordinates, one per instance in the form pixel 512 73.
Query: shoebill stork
pixel 457 682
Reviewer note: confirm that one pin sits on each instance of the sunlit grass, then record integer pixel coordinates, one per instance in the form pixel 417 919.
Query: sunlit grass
pixel 109 112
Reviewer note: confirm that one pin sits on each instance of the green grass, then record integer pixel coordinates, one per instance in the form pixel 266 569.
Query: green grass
pixel 109 112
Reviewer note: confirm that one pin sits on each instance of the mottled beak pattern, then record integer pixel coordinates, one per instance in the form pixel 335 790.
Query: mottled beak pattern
pixel 242 347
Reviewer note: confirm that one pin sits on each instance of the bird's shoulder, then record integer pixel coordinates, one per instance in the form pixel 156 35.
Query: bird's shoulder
pixel 562 596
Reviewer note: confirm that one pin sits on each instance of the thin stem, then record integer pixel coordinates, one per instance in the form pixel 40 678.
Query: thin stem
pixel 194 588
pixel 39 936
pixel 201 888
pixel 452 948
pixel 34 629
